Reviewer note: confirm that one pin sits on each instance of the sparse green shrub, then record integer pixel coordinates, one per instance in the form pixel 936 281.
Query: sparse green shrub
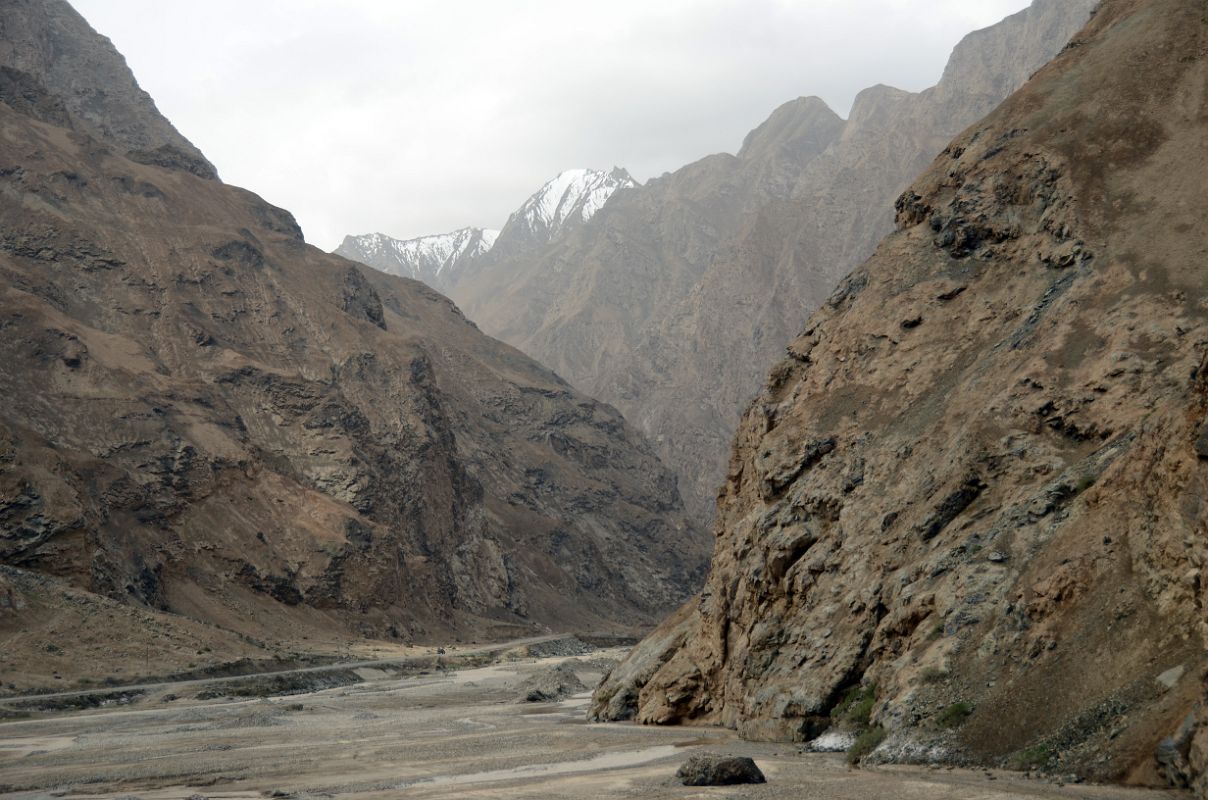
pixel 1036 756
pixel 856 705
pixel 936 632
pixel 865 743
pixel 954 716
pixel 1084 483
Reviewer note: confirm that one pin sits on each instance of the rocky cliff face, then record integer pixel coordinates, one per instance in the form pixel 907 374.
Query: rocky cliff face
pixel 86 80
pixel 208 417
pixel 676 299
pixel 968 510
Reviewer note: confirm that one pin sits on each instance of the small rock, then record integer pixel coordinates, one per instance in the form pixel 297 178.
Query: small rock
pixel 1173 755
pixel 1170 677
pixel 708 769
pixel 1201 442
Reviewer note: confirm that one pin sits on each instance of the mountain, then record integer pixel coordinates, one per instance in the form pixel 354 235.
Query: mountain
pixel 82 83
pixel 446 260
pixel 436 260
pixel 966 512
pixel 219 442
pixel 574 196
pixel 676 298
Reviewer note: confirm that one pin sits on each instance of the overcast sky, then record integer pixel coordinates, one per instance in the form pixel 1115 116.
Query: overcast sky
pixel 420 116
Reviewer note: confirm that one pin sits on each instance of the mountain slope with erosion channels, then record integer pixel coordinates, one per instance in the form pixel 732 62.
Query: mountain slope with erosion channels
pixel 255 443
pixel 968 511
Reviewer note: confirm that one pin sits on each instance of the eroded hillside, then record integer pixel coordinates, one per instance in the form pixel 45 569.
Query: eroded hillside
pixel 974 493
pixel 206 418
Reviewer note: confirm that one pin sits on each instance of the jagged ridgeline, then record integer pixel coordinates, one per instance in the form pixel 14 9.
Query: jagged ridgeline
pixel 966 515
pixel 204 415
pixel 447 261
pixel 676 298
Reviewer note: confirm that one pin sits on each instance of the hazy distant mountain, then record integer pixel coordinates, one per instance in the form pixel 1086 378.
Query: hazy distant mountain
pixel 674 300
pixel 445 260
pixel 205 416
pixel 435 260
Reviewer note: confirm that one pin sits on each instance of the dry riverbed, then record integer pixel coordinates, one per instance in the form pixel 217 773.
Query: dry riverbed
pixel 441 734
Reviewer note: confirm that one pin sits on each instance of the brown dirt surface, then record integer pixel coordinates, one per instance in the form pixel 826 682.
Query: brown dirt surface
pixel 441 735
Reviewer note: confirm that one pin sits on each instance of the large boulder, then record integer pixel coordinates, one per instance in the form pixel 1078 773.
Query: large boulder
pixel 710 769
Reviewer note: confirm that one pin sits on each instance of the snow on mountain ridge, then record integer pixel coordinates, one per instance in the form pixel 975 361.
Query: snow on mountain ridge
pixel 575 192
pixel 442 260
pixel 424 258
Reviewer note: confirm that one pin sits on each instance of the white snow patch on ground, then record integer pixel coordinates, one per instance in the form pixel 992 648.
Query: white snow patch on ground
pixel 832 742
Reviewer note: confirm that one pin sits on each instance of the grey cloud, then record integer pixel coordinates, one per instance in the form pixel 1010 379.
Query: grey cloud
pixel 418 117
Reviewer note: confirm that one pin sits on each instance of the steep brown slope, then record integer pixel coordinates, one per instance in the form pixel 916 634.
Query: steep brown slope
pixel 87 78
pixel 206 416
pixel 977 486
pixel 676 299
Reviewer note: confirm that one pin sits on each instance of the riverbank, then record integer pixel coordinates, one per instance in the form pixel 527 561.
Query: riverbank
pixel 436 733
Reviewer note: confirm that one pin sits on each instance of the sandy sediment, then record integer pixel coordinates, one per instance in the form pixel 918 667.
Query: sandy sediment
pixel 442 734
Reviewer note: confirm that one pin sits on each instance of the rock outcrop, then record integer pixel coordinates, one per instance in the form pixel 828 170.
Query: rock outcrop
pixel 84 76
pixel 205 416
pixel 971 500
pixel 675 300
pixel 551 685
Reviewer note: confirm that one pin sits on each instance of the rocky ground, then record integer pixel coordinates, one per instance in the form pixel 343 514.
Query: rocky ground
pixel 427 733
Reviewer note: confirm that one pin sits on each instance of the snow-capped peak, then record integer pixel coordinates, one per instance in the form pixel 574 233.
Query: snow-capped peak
pixel 573 194
pixel 441 261
pixel 431 259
